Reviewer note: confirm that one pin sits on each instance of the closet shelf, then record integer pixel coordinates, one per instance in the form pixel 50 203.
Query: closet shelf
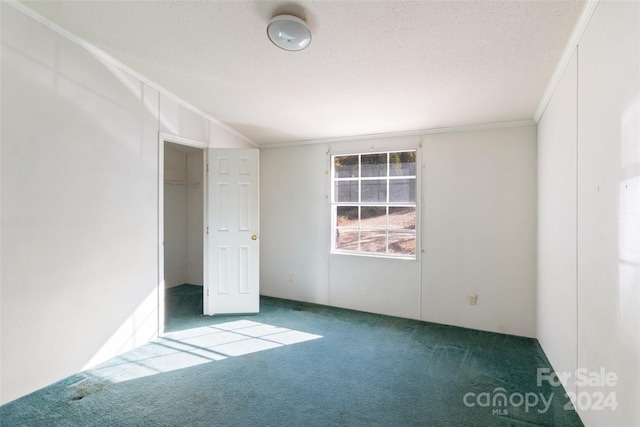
pixel 190 184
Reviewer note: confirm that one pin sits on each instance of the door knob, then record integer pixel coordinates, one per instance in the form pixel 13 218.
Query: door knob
pixel 254 237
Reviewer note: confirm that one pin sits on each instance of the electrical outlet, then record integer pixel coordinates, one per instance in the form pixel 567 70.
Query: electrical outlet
pixel 473 299
pixel 291 277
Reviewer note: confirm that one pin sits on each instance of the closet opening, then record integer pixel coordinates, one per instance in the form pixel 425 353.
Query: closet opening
pixel 183 229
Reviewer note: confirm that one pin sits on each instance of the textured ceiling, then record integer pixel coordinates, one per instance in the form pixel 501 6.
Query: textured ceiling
pixel 372 66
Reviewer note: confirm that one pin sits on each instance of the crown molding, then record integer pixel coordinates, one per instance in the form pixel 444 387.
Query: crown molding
pixel 419 132
pixel 565 58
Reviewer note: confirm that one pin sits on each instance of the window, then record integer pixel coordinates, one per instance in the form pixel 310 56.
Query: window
pixel 373 201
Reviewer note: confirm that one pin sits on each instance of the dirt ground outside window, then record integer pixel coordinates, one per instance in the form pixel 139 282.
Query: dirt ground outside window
pixel 373 234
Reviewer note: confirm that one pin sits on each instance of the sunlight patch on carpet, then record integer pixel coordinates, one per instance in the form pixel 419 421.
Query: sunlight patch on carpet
pixel 196 346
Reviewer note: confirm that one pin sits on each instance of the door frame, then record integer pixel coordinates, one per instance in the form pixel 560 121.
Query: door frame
pixel 175 139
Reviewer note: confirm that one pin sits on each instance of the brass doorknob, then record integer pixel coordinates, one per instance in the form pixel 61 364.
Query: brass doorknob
pixel 254 237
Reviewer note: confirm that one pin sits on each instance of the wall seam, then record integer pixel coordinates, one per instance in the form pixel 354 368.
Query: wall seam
pixel 186 218
pixel 577 229
pixel 331 235
pixel 160 222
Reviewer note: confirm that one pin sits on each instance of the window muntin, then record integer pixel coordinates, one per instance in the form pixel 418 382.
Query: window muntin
pixel 374 203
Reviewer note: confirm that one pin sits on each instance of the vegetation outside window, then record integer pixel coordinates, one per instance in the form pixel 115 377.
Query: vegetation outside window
pixel 374 203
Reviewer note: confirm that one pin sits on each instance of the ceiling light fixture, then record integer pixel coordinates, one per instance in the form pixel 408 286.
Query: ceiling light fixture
pixel 289 32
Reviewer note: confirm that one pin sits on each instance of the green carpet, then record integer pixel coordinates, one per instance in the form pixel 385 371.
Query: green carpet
pixel 298 364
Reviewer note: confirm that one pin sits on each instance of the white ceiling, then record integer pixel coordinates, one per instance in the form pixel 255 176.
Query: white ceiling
pixel 372 67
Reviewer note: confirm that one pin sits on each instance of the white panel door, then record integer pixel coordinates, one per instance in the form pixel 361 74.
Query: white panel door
pixel 232 282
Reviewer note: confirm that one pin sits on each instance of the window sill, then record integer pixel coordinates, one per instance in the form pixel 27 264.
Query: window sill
pixel 375 255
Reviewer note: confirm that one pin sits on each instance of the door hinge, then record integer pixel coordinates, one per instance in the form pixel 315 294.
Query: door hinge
pixel 207 167
pixel 207 230
pixel 207 291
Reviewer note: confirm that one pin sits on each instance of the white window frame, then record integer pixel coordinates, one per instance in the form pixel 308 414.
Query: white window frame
pixel 334 204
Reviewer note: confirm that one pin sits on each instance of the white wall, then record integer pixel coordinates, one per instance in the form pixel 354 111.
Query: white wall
pixel 609 205
pixel 294 233
pixel 479 229
pixel 476 186
pixel 557 222
pixel 80 218
pixel 604 88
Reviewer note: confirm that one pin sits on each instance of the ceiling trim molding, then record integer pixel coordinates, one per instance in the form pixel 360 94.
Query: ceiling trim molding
pixel 565 58
pixel 102 55
pixel 420 132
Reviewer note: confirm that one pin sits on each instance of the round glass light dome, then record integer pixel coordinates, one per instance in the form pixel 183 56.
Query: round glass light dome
pixel 289 32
